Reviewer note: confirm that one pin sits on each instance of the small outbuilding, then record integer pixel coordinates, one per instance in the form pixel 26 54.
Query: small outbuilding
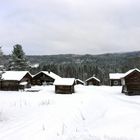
pixel 44 78
pixel 131 82
pixel 93 81
pixel 64 85
pixel 79 82
pixel 115 79
pixel 15 80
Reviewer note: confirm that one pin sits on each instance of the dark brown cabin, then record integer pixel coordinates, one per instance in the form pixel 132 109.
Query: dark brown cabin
pixel 79 82
pixel 93 81
pixel 115 79
pixel 131 82
pixel 44 78
pixel 15 80
pixel 64 85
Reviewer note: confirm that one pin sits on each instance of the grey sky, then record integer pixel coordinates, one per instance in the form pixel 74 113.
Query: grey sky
pixel 70 26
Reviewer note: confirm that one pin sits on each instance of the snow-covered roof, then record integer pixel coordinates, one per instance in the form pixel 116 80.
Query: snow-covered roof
pixel 116 75
pixel 14 75
pixel 93 77
pixel 64 81
pixel 50 74
pixel 79 80
pixel 130 71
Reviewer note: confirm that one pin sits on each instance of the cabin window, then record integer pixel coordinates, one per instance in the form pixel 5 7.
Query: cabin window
pixel 116 83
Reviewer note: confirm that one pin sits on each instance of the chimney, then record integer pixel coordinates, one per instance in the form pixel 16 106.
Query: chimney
pixel 49 71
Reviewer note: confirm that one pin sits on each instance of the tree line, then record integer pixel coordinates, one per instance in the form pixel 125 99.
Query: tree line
pixel 77 66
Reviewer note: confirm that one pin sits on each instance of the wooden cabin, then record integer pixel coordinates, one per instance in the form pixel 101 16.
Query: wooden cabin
pixel 44 78
pixel 64 85
pixel 115 79
pixel 15 80
pixel 79 82
pixel 93 81
pixel 131 82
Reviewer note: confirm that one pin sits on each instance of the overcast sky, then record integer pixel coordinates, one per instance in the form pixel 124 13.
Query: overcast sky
pixel 70 26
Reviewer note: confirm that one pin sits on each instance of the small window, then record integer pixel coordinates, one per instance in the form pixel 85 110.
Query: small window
pixel 116 83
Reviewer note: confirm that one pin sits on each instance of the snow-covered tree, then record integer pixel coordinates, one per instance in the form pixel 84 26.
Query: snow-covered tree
pixel 1 64
pixel 1 56
pixel 1 59
pixel 18 59
pixel 1 53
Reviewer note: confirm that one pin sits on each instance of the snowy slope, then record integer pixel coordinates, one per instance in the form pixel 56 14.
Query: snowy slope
pixel 92 113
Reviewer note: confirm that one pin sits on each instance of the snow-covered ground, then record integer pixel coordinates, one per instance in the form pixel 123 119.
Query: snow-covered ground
pixel 92 113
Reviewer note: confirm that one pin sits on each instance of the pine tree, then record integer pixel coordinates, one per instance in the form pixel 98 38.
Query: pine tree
pixel 18 59
pixel 1 59
pixel 1 64
pixel 1 56
pixel 1 53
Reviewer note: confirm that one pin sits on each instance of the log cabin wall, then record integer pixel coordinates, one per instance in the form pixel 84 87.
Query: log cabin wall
pixel 27 78
pixel 14 85
pixel 64 89
pixel 132 83
pixel 9 85
pixel 41 78
pixel 93 82
pixel 115 82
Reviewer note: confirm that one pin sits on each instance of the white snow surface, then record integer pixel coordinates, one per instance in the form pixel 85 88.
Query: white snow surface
pixel 121 75
pixel 93 77
pixel 64 81
pixel 50 74
pixel 14 75
pixel 23 83
pixel 116 75
pixel 92 113
pixel 130 71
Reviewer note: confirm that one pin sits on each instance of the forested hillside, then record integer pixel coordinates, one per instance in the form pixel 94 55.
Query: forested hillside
pixel 84 66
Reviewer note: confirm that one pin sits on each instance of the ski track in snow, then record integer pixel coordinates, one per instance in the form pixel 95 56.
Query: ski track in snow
pixel 92 113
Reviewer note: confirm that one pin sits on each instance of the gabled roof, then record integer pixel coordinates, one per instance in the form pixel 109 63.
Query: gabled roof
pixel 64 81
pixel 116 75
pixel 14 75
pixel 93 77
pixel 130 71
pixel 50 74
pixel 79 80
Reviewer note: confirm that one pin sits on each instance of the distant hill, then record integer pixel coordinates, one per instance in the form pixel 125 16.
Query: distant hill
pixel 68 58
pixel 84 66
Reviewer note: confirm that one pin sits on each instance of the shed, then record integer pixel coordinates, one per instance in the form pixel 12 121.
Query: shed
pixel 44 77
pixel 93 81
pixel 12 80
pixel 115 79
pixel 131 82
pixel 64 85
pixel 79 82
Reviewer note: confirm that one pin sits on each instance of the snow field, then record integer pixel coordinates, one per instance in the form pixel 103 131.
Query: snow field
pixel 92 113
